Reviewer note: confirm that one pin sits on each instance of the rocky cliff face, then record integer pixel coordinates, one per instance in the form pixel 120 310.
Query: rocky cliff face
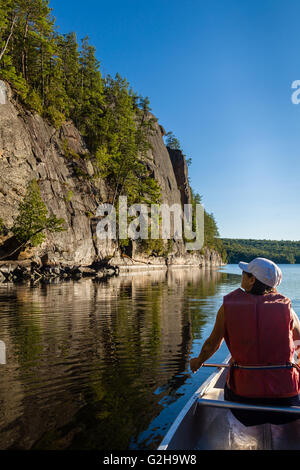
pixel 59 160
pixel 180 169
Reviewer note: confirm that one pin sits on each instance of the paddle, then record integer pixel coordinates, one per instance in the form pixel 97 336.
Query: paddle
pixel 215 365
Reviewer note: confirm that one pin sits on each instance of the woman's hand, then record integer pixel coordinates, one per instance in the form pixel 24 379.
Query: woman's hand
pixel 212 343
pixel 195 364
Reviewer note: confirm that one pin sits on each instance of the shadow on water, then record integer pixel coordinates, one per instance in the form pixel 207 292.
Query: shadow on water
pixel 91 366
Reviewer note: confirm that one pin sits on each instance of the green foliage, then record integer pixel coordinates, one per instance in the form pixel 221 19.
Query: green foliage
pixel 64 81
pixel 8 25
pixel 26 44
pixel 69 53
pixel 102 160
pixel 246 249
pixel 33 218
pixel 89 106
pixel 69 196
pixel 55 116
pixel 211 233
pixel 122 155
pixel 173 143
pixel 69 153
pixel 60 80
pixel 47 66
pixel 8 73
pixel 34 101
pixel 80 172
pixel 156 247
pixel 196 199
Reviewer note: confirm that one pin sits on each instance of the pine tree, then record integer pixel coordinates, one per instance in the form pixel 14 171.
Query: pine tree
pixel 33 218
pixel 69 54
pixel 122 153
pixel 172 142
pixel 9 16
pixel 89 109
pixel 8 20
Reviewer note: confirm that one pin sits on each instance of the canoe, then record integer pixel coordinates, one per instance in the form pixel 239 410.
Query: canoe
pixel 206 423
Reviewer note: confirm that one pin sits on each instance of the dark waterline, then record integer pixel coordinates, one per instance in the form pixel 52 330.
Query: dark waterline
pixel 104 366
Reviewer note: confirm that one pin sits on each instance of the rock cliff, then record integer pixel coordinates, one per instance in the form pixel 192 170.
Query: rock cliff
pixel 180 169
pixel 60 161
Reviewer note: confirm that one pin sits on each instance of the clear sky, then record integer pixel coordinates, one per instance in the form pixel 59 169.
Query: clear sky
pixel 218 74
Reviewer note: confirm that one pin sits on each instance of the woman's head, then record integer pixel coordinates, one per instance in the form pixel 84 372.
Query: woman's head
pixel 254 286
pixel 260 276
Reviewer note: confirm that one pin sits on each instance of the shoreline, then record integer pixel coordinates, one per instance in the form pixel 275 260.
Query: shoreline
pixel 18 271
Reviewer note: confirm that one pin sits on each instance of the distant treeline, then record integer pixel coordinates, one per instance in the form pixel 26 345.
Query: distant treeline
pixel 283 251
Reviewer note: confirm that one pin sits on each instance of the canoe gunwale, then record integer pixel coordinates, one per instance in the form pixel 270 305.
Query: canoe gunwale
pixel 192 402
pixel 207 414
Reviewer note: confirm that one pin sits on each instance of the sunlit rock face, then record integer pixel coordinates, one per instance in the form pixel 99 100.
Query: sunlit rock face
pixel 31 148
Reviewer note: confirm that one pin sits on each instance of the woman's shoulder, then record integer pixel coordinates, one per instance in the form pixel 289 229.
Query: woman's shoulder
pixel 235 293
pixel 275 296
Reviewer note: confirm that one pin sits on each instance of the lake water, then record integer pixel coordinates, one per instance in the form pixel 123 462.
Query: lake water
pixel 106 366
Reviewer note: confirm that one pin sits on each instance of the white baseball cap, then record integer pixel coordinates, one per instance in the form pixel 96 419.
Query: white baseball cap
pixel 264 270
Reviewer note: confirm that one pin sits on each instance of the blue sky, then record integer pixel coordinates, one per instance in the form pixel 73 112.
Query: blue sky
pixel 218 74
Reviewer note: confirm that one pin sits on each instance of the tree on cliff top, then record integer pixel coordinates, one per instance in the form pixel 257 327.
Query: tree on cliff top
pixel 122 153
pixel 33 218
pixel 172 142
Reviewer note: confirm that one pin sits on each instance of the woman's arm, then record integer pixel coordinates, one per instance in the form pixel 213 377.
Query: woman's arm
pixel 212 344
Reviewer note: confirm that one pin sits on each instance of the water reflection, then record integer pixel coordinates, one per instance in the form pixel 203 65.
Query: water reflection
pixel 89 364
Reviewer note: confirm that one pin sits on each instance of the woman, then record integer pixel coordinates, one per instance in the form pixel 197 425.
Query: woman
pixel 260 329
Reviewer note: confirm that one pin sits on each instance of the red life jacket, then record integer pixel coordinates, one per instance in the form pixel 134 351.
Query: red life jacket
pixel 258 332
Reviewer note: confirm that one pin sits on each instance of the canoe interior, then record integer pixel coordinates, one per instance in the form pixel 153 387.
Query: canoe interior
pixel 207 428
